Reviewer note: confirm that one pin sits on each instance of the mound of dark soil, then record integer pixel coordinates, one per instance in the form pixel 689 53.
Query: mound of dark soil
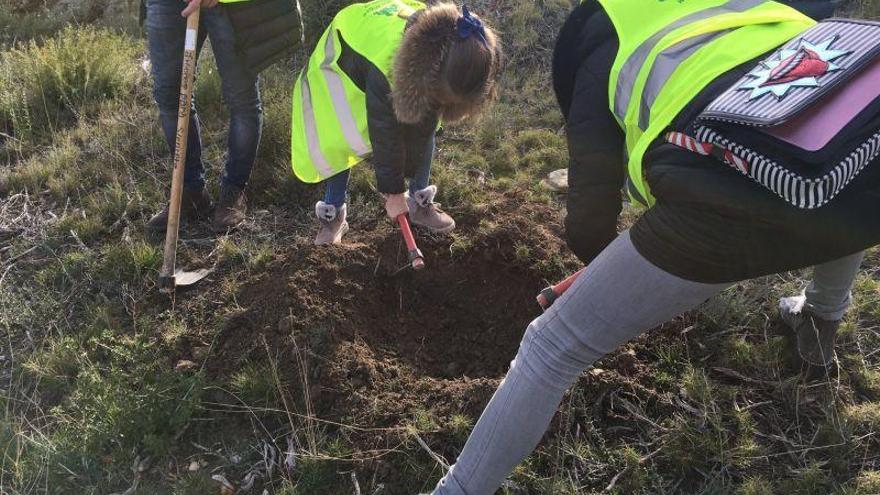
pixel 369 329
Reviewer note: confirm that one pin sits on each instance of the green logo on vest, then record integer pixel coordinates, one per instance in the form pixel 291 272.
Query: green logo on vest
pixel 387 11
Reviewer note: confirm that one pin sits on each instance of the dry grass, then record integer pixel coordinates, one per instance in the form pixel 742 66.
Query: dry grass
pixel 91 404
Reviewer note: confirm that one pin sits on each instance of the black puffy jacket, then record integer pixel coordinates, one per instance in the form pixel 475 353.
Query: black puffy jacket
pixel 398 149
pixel 710 224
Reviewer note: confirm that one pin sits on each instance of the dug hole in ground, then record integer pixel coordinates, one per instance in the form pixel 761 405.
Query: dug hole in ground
pixel 364 344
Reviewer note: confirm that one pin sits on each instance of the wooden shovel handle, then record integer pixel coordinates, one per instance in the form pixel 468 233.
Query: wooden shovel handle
pixel 166 275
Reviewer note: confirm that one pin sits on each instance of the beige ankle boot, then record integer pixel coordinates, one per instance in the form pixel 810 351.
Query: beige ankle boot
pixel 333 223
pixel 424 212
pixel 815 337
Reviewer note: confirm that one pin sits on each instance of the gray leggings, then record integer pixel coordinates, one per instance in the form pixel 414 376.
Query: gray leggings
pixel 619 296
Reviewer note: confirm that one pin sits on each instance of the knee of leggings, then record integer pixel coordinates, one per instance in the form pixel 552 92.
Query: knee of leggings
pixel 550 355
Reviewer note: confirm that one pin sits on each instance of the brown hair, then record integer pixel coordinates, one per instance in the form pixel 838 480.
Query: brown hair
pixel 436 72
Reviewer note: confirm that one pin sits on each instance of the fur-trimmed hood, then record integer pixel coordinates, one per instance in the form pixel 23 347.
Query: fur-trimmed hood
pixel 419 63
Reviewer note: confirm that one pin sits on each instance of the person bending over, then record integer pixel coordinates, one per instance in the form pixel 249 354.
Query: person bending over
pixel 678 87
pixel 382 77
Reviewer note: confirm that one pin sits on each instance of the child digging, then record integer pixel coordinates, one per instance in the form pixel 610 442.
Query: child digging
pixel 382 77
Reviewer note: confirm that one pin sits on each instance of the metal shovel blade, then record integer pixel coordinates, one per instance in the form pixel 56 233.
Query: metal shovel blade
pixel 183 278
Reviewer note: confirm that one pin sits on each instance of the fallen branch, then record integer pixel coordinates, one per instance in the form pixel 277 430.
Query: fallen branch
pixel 430 452
pixel 357 486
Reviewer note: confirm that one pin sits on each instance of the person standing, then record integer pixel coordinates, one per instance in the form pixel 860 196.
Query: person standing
pixel 166 35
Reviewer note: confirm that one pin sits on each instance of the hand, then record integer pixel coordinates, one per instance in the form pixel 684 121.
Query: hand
pixel 193 4
pixel 395 205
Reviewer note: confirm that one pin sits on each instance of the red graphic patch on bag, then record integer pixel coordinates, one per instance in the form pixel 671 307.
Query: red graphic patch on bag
pixel 804 63
pixel 794 68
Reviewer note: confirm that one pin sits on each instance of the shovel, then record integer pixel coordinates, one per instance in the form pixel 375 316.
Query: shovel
pixel 169 278
pixel 554 292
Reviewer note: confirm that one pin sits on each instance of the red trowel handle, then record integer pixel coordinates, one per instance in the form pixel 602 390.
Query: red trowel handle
pixel 550 294
pixel 415 256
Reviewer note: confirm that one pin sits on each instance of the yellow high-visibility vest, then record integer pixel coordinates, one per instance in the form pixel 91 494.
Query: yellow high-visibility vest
pixel 329 131
pixel 671 50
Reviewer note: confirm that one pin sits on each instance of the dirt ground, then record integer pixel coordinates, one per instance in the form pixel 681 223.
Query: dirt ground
pixel 379 343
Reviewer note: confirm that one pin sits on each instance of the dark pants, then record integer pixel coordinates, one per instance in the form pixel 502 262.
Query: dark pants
pixel 166 30
pixel 337 186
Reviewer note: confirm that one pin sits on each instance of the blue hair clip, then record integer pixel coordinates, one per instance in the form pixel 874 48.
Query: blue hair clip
pixel 468 25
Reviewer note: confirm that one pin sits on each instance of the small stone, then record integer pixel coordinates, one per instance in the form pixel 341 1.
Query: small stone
pixel 226 488
pixel 184 365
pixel 597 371
pixel 194 466
pixel 557 180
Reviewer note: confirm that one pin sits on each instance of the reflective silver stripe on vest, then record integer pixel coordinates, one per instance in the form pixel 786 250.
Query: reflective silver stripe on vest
pixel 630 71
pixel 634 192
pixel 314 146
pixel 340 101
pixel 667 62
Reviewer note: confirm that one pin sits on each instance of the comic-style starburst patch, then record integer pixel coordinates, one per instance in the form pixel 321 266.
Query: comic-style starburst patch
pixel 794 68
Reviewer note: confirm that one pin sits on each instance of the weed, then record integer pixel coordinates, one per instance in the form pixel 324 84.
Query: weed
pixel 522 252
pixel 698 387
pixel 56 366
pixel 255 386
pixel 867 483
pixel 863 417
pixel 810 480
pixel 460 425
pixel 635 477
pixel 423 421
pixel 755 486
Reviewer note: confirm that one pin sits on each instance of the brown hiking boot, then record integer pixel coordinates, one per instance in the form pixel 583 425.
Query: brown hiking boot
pixel 814 337
pixel 231 209
pixel 424 212
pixel 194 205
pixel 333 224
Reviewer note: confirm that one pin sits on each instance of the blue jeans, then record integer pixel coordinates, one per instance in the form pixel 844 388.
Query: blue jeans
pixel 166 31
pixel 337 186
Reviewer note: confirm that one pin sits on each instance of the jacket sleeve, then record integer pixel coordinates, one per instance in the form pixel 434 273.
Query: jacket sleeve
pixel 386 135
pixel 419 146
pixel 596 171
pixel 817 9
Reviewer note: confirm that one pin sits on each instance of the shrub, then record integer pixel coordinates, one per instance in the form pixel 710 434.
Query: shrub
pixel 47 85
